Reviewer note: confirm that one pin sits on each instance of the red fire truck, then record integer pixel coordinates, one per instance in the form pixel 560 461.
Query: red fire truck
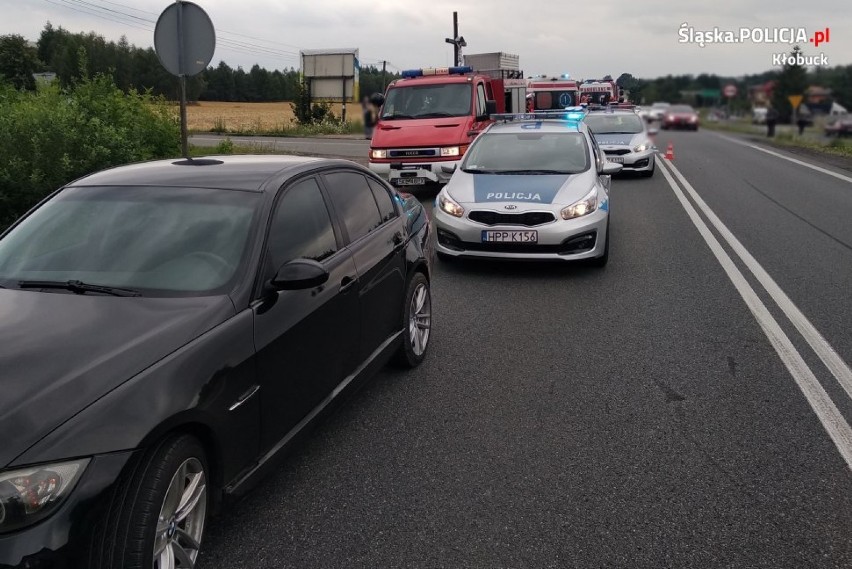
pixel 429 118
pixel 554 93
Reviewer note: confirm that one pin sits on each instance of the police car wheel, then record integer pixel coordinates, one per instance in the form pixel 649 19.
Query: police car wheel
pixel 416 323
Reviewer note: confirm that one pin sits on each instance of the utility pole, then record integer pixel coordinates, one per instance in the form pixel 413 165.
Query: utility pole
pixel 457 41
pixel 384 77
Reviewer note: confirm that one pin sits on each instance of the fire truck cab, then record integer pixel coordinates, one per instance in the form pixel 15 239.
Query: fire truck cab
pixel 429 117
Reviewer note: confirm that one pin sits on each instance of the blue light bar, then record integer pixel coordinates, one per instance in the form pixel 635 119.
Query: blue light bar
pixel 428 71
pixel 571 114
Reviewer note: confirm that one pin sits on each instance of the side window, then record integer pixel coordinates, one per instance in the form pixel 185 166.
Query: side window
pixel 383 199
pixel 480 100
pixel 599 155
pixel 301 227
pixel 354 202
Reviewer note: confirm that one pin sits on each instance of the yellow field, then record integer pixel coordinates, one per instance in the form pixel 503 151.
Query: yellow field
pixel 251 117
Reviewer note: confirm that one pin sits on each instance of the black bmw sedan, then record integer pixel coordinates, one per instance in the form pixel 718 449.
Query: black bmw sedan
pixel 168 328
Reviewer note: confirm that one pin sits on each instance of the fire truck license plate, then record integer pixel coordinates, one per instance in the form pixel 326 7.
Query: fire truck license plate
pixel 510 236
pixel 409 181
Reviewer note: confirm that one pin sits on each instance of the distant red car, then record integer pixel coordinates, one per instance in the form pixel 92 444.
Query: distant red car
pixel 839 125
pixel 680 116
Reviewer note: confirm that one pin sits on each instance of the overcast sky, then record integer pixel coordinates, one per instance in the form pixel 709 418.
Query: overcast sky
pixel 585 39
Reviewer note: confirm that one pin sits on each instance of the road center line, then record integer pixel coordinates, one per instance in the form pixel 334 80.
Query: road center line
pixel 832 360
pixel 788 158
pixel 826 411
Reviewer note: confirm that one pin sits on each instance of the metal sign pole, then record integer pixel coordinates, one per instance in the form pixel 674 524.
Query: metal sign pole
pixel 184 144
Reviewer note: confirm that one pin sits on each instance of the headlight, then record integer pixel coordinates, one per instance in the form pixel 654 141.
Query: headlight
pixel 31 494
pixel 449 206
pixel 693 118
pixel 378 154
pixel 642 147
pixel 585 206
pixel 451 151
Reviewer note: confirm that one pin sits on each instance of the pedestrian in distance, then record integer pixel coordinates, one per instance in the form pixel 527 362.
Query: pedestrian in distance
pixel 771 121
pixel 368 116
pixel 802 116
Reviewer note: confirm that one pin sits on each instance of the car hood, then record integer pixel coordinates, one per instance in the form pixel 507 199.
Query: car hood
pixel 523 191
pixel 419 133
pixel 605 140
pixel 61 352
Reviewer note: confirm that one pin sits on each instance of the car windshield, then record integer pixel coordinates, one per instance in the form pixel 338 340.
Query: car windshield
pixel 605 123
pixel 681 109
pixel 428 101
pixel 515 152
pixel 152 239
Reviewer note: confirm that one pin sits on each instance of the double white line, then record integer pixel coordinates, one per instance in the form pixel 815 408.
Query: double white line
pixel 830 417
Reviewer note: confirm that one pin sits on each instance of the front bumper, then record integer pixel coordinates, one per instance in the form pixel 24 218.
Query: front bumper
pixel 680 124
pixel 431 171
pixel 61 540
pixel 635 161
pixel 560 240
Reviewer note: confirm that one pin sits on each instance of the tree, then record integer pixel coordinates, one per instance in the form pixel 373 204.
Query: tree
pixel 18 62
pixel 793 80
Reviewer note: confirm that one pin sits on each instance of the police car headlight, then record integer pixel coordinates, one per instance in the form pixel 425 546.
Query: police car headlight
pixel 449 206
pixel 451 151
pixel 379 154
pixel 642 147
pixel 28 495
pixel 585 206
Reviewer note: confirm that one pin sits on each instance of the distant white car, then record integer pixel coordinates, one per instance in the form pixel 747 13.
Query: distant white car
pixel 658 110
pixel 758 115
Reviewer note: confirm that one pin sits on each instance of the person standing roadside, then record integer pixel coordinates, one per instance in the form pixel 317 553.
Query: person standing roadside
pixel 369 117
pixel 771 121
pixel 802 116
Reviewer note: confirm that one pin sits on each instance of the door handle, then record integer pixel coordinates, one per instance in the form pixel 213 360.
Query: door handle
pixel 346 283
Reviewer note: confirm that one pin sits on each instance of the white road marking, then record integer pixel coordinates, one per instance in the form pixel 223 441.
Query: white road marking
pixel 788 158
pixel 826 411
pixel 832 360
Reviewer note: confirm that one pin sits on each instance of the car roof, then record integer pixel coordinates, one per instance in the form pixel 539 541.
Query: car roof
pixel 546 125
pixel 245 173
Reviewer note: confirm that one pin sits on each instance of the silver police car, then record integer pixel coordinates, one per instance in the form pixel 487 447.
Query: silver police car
pixel 533 186
pixel 625 138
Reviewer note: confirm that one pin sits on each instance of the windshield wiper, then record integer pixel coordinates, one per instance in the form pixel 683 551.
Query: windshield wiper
pixel 396 116
pixel 433 115
pixel 479 171
pixel 533 172
pixel 79 287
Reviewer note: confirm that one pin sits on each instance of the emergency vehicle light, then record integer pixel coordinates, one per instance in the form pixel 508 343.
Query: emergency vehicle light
pixel 409 73
pixel 571 114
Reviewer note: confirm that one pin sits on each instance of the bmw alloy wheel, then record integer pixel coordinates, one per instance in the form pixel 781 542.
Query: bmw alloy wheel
pixel 180 524
pixel 420 319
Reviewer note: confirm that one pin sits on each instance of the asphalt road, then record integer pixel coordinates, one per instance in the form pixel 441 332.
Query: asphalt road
pixel 632 416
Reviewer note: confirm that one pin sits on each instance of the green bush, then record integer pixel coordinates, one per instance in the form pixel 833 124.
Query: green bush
pixel 53 136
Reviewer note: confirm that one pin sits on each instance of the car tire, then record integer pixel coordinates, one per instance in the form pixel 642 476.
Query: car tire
pixel 161 501
pixel 603 259
pixel 417 323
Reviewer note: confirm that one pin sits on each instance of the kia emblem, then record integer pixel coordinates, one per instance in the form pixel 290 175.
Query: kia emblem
pixel 510 206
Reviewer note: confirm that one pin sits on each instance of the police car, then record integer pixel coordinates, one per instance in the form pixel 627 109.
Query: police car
pixel 624 137
pixel 531 186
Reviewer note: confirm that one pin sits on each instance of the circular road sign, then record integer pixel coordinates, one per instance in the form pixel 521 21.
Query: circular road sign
pixel 184 39
pixel 730 91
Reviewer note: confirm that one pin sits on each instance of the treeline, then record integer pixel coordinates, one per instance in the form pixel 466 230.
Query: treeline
pixel 676 88
pixel 84 55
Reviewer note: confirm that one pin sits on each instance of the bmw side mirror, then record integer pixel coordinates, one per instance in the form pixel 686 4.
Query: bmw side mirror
pixel 299 274
pixel 611 168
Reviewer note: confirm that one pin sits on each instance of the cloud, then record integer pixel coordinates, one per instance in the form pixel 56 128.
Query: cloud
pixel 587 40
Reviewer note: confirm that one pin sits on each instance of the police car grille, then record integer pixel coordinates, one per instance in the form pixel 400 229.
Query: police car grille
pixel 618 152
pixel 529 219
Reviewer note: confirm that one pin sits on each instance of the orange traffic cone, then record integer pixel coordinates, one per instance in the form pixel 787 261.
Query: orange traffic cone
pixel 670 152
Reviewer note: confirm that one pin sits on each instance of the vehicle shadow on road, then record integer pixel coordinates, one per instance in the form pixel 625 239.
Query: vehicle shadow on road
pixel 519 269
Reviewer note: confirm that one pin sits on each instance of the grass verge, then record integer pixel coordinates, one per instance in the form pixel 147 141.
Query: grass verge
pixel 834 147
